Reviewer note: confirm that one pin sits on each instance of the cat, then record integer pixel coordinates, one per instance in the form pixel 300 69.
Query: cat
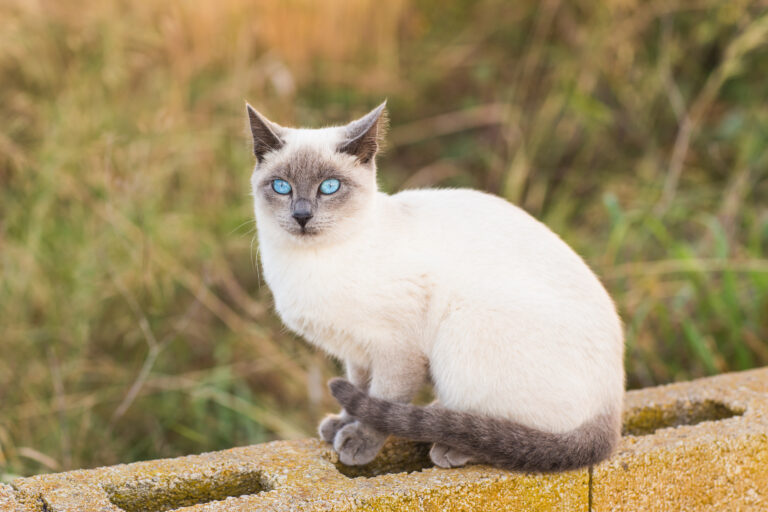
pixel 521 342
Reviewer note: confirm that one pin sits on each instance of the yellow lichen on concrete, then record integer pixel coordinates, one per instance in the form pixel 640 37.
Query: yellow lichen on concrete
pixel 715 458
pixel 7 498
pixel 720 475
pixel 701 445
pixel 10 501
pixel 301 475
pixel 479 488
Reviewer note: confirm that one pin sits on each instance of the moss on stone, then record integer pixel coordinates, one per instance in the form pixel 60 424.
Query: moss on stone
pixel 692 446
pixel 648 419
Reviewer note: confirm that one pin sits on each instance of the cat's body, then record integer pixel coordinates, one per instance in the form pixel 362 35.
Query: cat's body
pixel 457 285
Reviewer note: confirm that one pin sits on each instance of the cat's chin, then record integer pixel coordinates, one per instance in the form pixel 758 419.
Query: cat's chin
pixel 315 237
pixel 305 231
pixel 305 235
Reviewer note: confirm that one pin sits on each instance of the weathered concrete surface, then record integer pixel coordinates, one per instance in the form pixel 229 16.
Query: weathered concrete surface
pixel 300 475
pixel 7 498
pixel 9 501
pixel 701 445
pixel 709 465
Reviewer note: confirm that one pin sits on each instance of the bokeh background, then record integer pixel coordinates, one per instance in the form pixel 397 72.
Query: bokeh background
pixel 133 322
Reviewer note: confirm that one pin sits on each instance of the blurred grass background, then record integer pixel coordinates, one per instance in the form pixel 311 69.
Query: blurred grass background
pixel 132 320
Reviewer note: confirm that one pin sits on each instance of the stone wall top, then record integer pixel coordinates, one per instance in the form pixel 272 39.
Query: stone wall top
pixel 700 445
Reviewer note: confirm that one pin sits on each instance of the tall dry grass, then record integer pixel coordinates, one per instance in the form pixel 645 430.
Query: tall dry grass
pixel 132 319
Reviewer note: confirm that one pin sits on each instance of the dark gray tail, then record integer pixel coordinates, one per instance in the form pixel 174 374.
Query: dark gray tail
pixel 498 442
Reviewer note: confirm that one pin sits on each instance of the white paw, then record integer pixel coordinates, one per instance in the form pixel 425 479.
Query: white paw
pixel 446 457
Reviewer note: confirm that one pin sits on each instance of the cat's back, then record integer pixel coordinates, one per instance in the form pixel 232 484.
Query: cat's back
pixel 467 222
pixel 476 215
pixel 477 239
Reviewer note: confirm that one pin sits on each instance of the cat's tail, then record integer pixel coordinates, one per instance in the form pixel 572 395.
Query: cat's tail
pixel 498 442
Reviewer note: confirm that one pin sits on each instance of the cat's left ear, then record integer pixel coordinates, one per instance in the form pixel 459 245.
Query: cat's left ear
pixel 365 135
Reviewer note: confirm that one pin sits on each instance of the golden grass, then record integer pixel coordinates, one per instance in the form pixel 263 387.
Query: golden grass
pixel 133 323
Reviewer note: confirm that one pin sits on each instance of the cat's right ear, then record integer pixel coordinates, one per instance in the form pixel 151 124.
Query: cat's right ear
pixel 265 134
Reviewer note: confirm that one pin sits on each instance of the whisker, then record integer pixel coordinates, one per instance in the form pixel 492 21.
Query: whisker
pixel 248 221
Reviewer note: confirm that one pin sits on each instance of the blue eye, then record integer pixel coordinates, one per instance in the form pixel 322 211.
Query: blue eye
pixel 281 187
pixel 330 186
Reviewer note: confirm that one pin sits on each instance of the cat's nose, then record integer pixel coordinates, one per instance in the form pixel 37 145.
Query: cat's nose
pixel 302 212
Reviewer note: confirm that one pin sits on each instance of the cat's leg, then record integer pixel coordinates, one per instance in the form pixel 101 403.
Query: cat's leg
pixel 358 375
pixel 445 456
pixel 395 379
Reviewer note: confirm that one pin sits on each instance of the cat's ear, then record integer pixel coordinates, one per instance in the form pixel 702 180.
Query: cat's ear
pixel 364 135
pixel 266 134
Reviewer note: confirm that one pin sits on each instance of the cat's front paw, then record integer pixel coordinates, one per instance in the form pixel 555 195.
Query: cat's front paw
pixel 331 424
pixel 446 457
pixel 358 444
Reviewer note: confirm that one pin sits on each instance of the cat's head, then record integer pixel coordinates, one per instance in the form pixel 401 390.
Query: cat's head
pixel 315 185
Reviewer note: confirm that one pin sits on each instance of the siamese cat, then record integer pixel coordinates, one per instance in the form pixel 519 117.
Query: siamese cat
pixel 520 340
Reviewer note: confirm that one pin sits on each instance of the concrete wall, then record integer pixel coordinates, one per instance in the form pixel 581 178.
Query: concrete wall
pixel 700 445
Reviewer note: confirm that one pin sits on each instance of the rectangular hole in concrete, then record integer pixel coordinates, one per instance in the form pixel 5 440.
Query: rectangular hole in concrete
pixel 647 420
pixel 161 492
pixel 397 456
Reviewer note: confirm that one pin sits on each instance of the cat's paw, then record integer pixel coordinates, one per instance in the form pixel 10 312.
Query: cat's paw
pixel 331 424
pixel 446 457
pixel 358 444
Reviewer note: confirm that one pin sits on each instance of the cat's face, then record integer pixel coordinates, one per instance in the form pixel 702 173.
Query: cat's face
pixel 314 186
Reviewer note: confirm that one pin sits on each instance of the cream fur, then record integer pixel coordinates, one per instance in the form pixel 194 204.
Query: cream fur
pixel 504 316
